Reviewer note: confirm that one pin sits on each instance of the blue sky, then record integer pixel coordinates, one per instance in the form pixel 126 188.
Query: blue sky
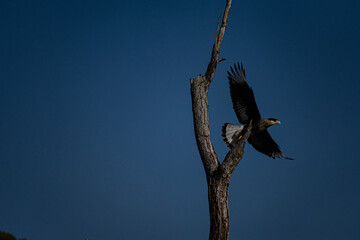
pixel 96 134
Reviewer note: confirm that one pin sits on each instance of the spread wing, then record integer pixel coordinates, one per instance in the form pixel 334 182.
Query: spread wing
pixel 263 142
pixel 242 95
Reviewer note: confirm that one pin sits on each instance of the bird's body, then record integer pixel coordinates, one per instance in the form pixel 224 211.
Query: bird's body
pixel 247 111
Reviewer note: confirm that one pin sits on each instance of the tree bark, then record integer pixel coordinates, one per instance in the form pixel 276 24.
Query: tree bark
pixel 218 191
pixel 217 175
pixel 218 195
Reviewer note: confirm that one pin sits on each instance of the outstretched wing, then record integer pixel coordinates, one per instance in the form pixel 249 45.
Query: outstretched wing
pixel 242 95
pixel 263 142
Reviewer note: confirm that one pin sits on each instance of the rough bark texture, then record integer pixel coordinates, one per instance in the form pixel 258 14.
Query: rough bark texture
pixel 199 93
pixel 217 175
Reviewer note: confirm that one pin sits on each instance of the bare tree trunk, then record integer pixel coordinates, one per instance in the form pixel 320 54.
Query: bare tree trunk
pixel 218 175
pixel 218 194
pixel 219 208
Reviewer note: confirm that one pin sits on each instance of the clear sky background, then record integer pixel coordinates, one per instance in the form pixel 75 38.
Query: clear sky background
pixel 96 131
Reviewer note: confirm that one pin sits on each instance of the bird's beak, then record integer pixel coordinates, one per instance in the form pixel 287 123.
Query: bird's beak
pixel 277 122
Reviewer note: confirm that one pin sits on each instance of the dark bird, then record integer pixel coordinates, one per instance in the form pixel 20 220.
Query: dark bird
pixel 246 110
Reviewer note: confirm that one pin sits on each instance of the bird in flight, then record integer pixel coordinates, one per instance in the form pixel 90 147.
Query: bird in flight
pixel 246 110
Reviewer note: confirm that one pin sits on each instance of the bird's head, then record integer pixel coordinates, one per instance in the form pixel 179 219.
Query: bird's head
pixel 273 121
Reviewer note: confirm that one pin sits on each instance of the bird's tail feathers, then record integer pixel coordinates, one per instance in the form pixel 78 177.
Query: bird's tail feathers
pixel 229 133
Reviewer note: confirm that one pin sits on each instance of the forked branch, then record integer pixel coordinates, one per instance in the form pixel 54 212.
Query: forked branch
pixel 217 175
pixel 234 156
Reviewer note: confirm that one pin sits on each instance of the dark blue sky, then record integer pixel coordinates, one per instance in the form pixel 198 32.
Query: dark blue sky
pixel 96 134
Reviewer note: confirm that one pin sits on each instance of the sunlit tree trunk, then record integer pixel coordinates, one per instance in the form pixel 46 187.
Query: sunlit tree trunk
pixel 218 174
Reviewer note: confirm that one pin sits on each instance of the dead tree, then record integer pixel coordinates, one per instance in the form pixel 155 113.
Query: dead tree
pixel 217 175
